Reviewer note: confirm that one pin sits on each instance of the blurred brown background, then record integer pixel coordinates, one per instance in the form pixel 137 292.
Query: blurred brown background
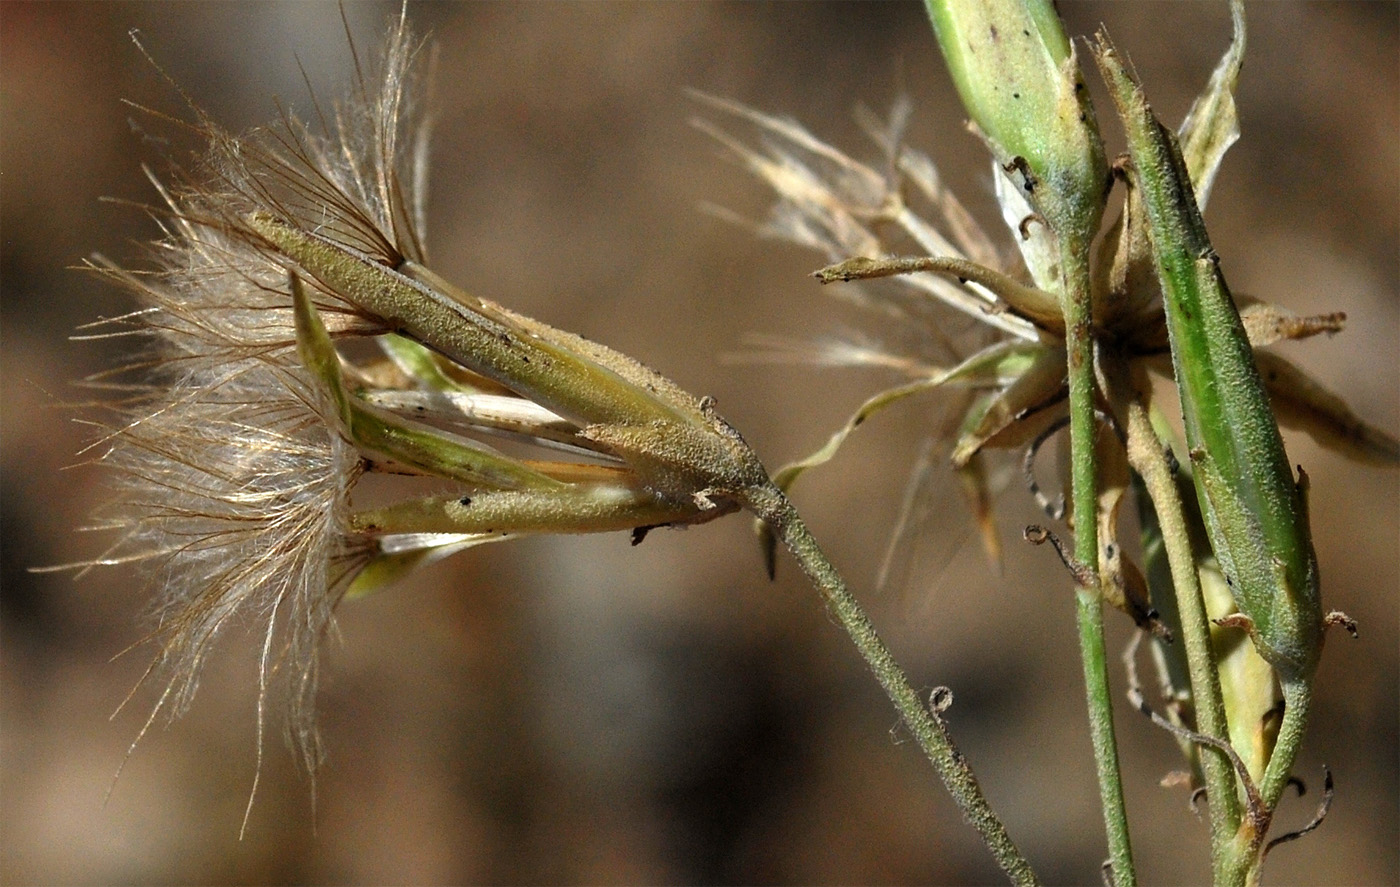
pixel 576 710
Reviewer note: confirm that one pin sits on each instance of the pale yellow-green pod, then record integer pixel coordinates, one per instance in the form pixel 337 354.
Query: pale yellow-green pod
pixel 1019 79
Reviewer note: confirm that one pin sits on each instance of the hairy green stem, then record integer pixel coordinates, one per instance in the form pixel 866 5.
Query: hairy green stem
pixel 1079 348
pixel 1092 650
pixel 770 505
pixel 1297 700
pixel 1148 459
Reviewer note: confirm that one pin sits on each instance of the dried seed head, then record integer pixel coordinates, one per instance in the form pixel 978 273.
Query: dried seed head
pixel 245 430
pixel 232 470
pixel 232 482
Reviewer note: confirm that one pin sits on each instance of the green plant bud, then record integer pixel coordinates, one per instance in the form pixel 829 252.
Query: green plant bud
pixel 1255 514
pixel 583 508
pixel 475 334
pixel 1020 81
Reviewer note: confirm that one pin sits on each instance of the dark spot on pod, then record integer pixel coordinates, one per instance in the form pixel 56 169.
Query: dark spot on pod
pixel 464 501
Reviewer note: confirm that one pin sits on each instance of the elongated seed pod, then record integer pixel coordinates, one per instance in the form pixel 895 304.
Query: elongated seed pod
pixel 1255 513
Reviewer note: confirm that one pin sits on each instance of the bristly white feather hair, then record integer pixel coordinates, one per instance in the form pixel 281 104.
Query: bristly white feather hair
pixel 233 475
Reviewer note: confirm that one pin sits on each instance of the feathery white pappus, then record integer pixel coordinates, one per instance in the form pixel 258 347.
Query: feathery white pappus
pixel 232 473
pixel 240 430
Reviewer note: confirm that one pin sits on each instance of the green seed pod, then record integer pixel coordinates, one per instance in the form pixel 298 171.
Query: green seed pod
pixel 1020 81
pixel 1255 514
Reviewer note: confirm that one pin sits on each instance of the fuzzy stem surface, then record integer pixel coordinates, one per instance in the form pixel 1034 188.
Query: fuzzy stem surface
pixel 1147 457
pixel 1079 348
pixel 771 506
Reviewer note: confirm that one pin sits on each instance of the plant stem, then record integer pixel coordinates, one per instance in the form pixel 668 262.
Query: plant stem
pixel 1089 609
pixel 1148 459
pixel 1079 348
pixel 1297 700
pixel 770 505
pixel 1246 859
